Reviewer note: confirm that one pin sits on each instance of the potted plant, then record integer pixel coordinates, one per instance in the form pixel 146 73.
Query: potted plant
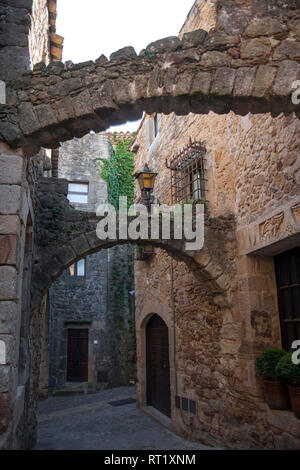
pixel 289 371
pixel 276 392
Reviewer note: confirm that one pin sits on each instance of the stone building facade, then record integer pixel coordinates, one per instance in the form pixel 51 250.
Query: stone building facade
pixel 27 37
pixel 216 329
pixel 85 298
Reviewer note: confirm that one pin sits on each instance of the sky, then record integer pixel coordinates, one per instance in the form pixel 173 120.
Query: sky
pixel 95 27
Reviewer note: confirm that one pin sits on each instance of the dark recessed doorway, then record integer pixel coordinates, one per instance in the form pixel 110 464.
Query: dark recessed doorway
pixel 158 367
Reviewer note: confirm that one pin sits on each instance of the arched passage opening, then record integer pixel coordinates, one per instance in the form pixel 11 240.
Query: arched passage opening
pixel 143 323
pixel 91 324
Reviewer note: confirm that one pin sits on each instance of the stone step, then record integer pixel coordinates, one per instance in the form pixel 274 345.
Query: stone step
pixel 68 393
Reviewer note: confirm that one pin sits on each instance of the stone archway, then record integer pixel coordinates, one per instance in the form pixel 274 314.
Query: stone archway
pixel 64 236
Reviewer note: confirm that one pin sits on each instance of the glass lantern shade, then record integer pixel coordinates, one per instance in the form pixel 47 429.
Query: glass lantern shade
pixel 146 179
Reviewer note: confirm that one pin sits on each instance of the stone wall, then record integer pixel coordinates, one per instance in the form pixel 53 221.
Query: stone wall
pixel 203 14
pixel 121 307
pixel 252 166
pixel 20 329
pixel 90 301
pixel 16 214
pixel 14 29
pixel 39 46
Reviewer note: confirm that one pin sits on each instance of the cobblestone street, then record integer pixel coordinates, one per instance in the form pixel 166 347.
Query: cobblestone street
pixel 90 422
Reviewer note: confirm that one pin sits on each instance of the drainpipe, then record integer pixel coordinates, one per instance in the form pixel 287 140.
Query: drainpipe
pixel 174 325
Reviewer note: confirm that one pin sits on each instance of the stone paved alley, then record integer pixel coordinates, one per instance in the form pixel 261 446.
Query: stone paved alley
pixel 89 422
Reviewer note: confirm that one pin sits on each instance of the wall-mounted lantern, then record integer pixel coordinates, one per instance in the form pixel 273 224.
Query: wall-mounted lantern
pixel 146 179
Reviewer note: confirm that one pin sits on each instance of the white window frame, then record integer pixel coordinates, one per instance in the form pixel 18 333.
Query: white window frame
pixel 74 189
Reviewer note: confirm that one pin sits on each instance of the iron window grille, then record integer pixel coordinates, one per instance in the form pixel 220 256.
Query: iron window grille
pixel 187 174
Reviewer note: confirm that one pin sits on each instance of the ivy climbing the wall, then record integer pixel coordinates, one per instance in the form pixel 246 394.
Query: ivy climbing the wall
pixel 117 172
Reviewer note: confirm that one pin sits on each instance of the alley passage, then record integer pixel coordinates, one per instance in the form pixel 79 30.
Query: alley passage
pixel 98 422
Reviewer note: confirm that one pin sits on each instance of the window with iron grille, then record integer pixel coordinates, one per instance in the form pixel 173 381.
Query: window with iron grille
pixel 187 174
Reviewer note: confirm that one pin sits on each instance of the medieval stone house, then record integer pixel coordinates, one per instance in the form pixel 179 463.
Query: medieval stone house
pixel 209 313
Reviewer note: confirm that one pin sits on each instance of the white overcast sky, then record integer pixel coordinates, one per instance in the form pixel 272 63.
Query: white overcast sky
pixel 95 27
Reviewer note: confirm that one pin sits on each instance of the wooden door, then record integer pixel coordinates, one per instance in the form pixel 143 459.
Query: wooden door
pixel 77 359
pixel 287 267
pixel 158 367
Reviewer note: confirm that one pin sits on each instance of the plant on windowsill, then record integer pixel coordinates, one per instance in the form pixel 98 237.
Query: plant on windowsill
pixel 276 392
pixel 189 202
pixel 290 372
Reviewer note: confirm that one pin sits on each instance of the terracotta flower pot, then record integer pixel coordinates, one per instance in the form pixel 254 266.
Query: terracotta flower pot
pixel 295 399
pixel 277 395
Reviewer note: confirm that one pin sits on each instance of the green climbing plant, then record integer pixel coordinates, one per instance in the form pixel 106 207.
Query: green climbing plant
pixel 117 172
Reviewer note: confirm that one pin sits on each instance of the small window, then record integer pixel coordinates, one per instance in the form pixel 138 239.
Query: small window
pixel 187 174
pixel 155 125
pixel 152 128
pixel 78 192
pixel 78 269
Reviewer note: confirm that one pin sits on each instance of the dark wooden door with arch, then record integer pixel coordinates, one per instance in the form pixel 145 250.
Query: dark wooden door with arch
pixel 158 367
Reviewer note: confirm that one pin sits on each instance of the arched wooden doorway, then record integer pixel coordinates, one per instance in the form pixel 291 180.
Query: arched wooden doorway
pixel 158 367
